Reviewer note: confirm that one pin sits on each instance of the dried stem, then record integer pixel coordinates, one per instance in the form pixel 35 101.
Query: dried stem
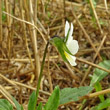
pixel 98 50
pixel 105 2
pixel 25 22
pixel 71 73
pixel 96 17
pixel 0 20
pixel 6 95
pixel 99 93
pixel 86 35
pixel 34 41
pixel 92 64
pixel 16 84
pixel 25 36
pixel 9 22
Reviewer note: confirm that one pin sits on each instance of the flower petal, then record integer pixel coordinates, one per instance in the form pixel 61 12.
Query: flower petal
pixel 66 28
pixel 71 59
pixel 70 37
pixel 71 30
pixel 73 46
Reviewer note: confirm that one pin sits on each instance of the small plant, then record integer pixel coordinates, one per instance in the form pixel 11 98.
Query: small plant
pixel 98 75
pixel 67 47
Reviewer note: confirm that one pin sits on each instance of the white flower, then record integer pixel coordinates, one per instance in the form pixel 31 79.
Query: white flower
pixel 71 44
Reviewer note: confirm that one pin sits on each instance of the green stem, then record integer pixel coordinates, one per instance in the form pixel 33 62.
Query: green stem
pixel 41 71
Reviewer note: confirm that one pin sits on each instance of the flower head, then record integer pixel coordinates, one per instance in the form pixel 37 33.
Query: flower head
pixel 71 44
pixel 67 47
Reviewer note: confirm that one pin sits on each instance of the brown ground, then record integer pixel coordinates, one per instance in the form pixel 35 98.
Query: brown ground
pixel 18 47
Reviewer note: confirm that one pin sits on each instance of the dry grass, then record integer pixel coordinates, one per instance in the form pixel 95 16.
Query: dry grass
pixel 26 26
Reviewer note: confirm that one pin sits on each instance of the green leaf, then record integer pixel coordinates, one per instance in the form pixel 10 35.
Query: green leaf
pixel 32 101
pixel 103 105
pixel 18 106
pixel 22 107
pixel 39 106
pixel 99 74
pixel 49 14
pixel 59 44
pixel 94 2
pixel 98 87
pixel 73 94
pixel 82 104
pixel 91 10
pixel 3 9
pixel 53 100
pixel 5 105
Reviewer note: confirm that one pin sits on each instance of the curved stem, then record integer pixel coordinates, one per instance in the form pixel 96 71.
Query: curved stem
pixel 41 71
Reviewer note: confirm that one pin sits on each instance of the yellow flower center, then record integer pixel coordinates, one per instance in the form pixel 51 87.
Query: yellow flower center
pixel 67 55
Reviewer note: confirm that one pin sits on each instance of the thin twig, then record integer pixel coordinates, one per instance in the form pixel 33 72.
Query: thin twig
pixel 106 7
pixel 6 95
pixel 24 27
pixel 92 64
pixel 84 31
pixel 71 73
pixel 34 40
pixel 99 93
pixel 1 20
pixel 26 60
pixel 21 84
pixel 84 51
pixel 26 23
pixel 96 17
pixel 98 50
pixel 11 82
